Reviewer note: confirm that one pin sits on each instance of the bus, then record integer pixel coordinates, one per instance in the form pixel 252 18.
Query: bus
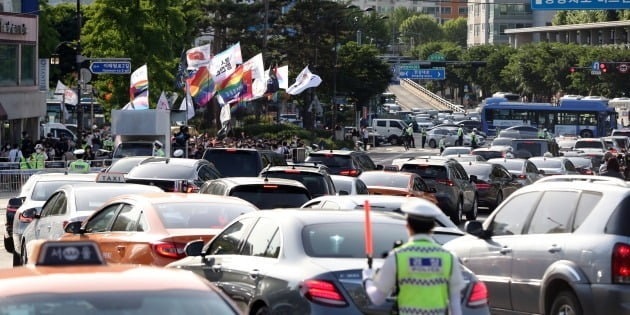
pixel 579 117
pixel 622 106
pixel 93 113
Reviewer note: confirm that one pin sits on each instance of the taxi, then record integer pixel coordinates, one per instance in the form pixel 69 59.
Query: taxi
pixel 73 278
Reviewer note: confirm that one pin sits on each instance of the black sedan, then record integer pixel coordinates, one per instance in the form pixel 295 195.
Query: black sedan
pixel 494 182
pixel 290 261
pixel 173 174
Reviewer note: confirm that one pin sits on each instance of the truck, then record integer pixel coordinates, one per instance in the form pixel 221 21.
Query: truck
pixel 135 131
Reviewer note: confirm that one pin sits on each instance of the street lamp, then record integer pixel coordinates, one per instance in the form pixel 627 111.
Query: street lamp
pixel 79 60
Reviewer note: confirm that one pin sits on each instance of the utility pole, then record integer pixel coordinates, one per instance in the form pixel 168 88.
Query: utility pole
pixel 79 80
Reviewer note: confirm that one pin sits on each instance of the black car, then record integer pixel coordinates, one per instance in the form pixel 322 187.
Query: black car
pixel 315 178
pixel 264 193
pixel 494 182
pixel 343 162
pixel 173 174
pixel 233 162
pixel 455 191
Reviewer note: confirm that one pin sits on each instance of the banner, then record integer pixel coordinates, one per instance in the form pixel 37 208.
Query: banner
pixel 225 63
pixel 65 94
pixel 139 88
pixel 282 74
pixel 198 57
pixel 304 80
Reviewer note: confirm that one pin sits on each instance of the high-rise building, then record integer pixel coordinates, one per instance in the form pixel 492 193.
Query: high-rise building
pixel 441 10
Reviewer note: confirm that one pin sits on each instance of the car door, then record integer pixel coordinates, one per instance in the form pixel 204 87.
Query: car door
pixel 509 184
pixel 40 227
pixel 540 246
pixel 491 258
pixel 129 248
pixel 251 272
pixel 56 222
pixel 469 189
pixel 97 229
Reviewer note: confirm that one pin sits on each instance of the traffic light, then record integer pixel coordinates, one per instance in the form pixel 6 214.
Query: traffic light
pixel 573 69
pixel 603 67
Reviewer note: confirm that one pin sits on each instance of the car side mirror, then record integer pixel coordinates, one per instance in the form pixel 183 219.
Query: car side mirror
pixel 541 172
pixel 30 213
pixel 74 227
pixel 193 248
pixel 16 202
pixel 343 193
pixel 473 178
pixel 475 228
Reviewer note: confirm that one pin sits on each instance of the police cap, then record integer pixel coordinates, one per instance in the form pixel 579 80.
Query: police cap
pixel 78 151
pixel 158 143
pixel 420 209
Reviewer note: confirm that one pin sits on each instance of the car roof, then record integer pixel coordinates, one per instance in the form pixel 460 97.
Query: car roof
pixel 174 161
pixel 238 181
pixel 432 161
pixel 51 177
pixel 84 187
pixel 317 216
pixel 334 152
pixel 29 280
pixel 590 139
pixel 505 160
pixel 164 197
pixel 301 168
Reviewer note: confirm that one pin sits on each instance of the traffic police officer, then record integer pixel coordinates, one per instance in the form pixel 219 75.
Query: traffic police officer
pixel 37 160
pixel 460 135
pixel 157 149
pixel 79 165
pixel 473 138
pixel 429 278
pixel 442 145
pixel 424 136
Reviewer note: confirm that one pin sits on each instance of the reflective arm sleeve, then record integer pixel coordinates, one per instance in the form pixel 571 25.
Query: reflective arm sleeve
pixel 384 281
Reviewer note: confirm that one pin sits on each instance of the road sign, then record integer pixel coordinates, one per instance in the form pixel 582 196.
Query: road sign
pixel 579 5
pixel 428 74
pixel 436 57
pixel 596 72
pixel 111 67
pixel 623 68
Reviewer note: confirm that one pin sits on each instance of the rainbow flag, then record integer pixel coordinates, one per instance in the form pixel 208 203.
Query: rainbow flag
pixel 231 87
pixel 201 86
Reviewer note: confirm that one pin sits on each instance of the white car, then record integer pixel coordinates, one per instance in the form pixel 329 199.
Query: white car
pixel 38 190
pixel 348 185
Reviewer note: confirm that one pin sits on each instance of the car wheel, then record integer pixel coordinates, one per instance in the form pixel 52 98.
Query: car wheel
pixel 393 140
pixel 8 244
pixel 498 201
pixel 456 216
pixel 17 260
pixel 472 214
pixel 432 144
pixel 263 310
pixel 565 303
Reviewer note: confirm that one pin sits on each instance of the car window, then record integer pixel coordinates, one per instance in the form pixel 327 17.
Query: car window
pixel 512 216
pixel 206 173
pixel 361 188
pixel 259 238
pixel 330 205
pixel 143 224
pixel 367 162
pixel 553 212
pixel 249 162
pixel 426 171
pixel 126 220
pixel 531 168
pixel 381 123
pixel 588 201
pixel 314 204
pixel 273 250
pixel 460 172
pixel 314 182
pixel 61 206
pixel 101 221
pixel 420 185
pixel 227 243
pixel 49 208
pixel 272 196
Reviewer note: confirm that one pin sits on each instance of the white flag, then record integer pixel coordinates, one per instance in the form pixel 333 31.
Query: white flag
pixel 224 63
pixel 162 103
pixel 187 104
pixel 65 94
pixel 200 56
pixel 128 106
pixel 282 74
pixel 139 88
pixel 225 115
pixel 304 80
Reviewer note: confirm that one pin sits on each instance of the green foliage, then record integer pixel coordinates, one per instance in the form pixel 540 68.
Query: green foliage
pixel 456 31
pixel 420 29
pixel 586 16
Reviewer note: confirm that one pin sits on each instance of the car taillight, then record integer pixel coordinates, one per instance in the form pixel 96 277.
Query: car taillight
pixel 323 292
pixel 170 250
pixel 446 182
pixel 349 173
pixel 482 185
pixel 192 188
pixel 24 219
pixel 587 172
pixel 478 295
pixel 522 176
pixel 292 171
pixel 621 263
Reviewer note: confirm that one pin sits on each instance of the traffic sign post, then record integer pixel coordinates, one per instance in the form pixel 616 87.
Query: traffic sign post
pixel 427 74
pixel 111 66
pixel 579 5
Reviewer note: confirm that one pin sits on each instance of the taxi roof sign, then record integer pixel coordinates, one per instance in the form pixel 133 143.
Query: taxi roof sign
pixel 110 178
pixel 69 253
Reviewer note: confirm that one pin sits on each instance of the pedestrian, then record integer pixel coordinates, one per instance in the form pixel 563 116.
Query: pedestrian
pixel 366 137
pixel 89 154
pixel 607 156
pixel 547 134
pixel 412 142
pixel 427 277
pixel 460 135
pixel 473 138
pixel 541 133
pixel 79 165
pixel 442 145
pixel 424 136
pixel 27 145
pixel 612 169
pixel 157 149
pixel 15 154
pixel 355 135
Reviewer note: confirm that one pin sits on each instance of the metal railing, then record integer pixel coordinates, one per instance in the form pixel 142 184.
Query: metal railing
pixel 430 97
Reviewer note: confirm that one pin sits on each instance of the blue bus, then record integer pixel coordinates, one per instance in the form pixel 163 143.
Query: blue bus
pixel 585 118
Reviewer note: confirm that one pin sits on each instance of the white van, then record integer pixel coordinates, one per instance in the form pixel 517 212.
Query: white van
pixel 390 129
pixel 56 129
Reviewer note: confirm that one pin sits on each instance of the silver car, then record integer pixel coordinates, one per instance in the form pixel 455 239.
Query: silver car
pixel 558 246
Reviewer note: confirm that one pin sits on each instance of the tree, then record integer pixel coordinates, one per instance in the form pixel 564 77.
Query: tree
pixel 456 31
pixel 420 29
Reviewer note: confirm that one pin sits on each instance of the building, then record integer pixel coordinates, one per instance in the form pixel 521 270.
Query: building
pixel 488 19
pixel 613 33
pixel 450 9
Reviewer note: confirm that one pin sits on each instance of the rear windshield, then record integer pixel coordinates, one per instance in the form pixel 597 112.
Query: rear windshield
pixel 534 148
pixel 333 240
pixel 588 145
pixel 272 196
pixel 314 182
pixel 488 154
pixel 426 171
pixel 159 170
pixel 502 141
pixel 89 201
pixel 235 163
pixel 385 179
pixel 198 215
pixel 547 163
pixel 621 142
pixel 621 133
pixel 43 190
pixel 581 162
pixel 511 165
pixel 133 149
pixel 330 160
pixel 480 170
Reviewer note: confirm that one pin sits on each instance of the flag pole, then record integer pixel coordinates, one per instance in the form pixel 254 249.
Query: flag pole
pixel 186 121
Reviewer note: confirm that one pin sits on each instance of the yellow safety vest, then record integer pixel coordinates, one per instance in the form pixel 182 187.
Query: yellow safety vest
pixel 79 166
pixel 423 272
pixel 24 164
pixel 159 152
pixel 36 160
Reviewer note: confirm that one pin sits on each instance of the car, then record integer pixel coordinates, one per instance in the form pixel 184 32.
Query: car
pixel 559 246
pixel 305 261
pixel 554 165
pixel 466 158
pixel 68 203
pixel 124 165
pixel 525 131
pixel 616 144
pixel 566 144
pixel 397 184
pixel 525 171
pixel 377 203
pixel 315 178
pixel 249 162
pixel 347 185
pixel 264 193
pixel 494 182
pixel 583 164
pixel 590 145
pixel 173 174
pixel 38 188
pixel 621 132
pixel 450 137
pixel 493 152
pixel 153 228
pixel 73 278
pixel 456 150
pixel 343 162
pixel 455 190
pixel 526 148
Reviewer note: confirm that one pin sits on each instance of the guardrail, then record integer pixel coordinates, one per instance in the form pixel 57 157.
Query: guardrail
pixel 429 96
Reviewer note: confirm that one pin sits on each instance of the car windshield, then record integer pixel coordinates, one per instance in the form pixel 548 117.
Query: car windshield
pixel 343 185
pixel 123 165
pixel 426 171
pixel 314 182
pixel 331 160
pixel 622 143
pixel 162 171
pixel 511 165
pixel 272 196
pixel 94 198
pixel 133 149
pixel 225 161
pixel 385 179
pixel 198 215
pixel 347 239
pixel 547 163
pixel 190 302
pixel 43 190
pixel 534 148
pixel 588 145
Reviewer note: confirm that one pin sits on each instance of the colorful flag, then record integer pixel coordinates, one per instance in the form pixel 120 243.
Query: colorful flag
pixel 224 64
pixel 282 74
pixel 201 86
pixel 162 103
pixel 231 87
pixel 188 105
pixel 306 79
pixel 254 78
pixel 139 88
